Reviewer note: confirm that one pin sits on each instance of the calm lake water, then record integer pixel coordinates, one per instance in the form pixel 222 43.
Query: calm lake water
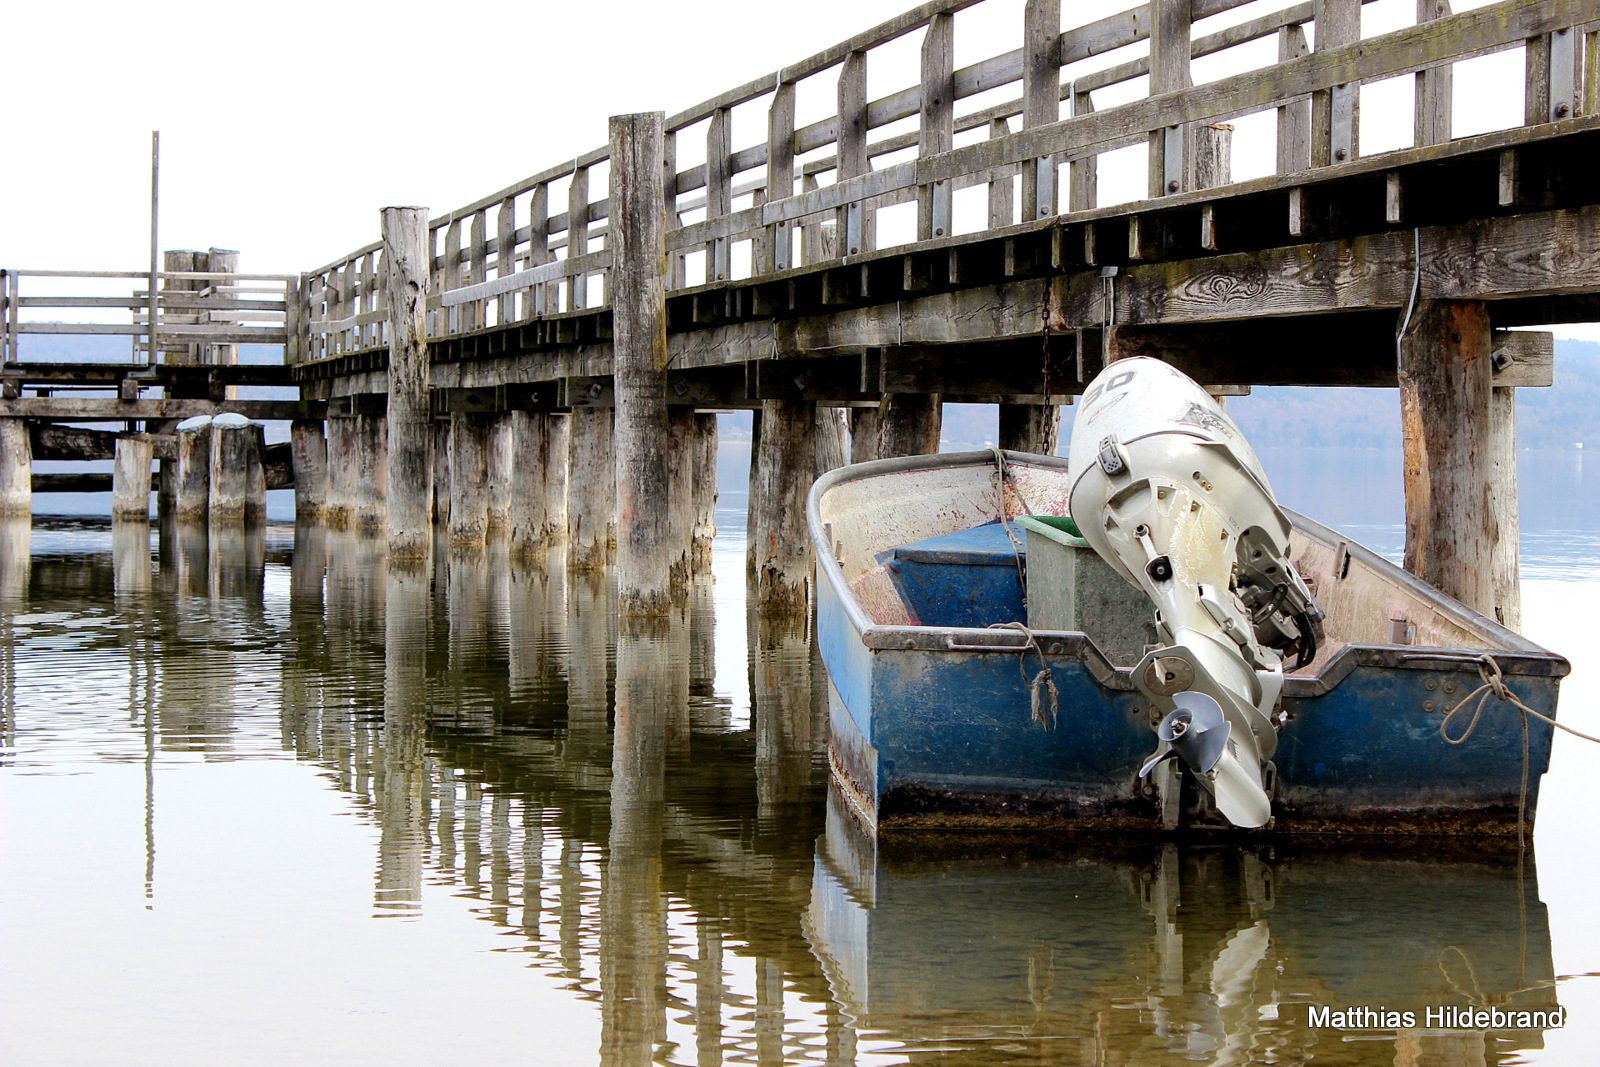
pixel 266 800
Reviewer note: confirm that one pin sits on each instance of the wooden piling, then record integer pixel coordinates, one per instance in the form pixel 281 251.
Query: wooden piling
pixel 16 468
pixel 557 428
pixel 342 470
pixel 865 427
pixel 786 465
pixel 308 450
pixel 192 469
pixel 469 477
pixel 238 484
pixel 1445 383
pixel 910 425
pixel 372 477
pixel 527 435
pixel 705 490
pixel 832 441
pixel 409 461
pixel 499 479
pixel 130 480
pixel 1029 427
pixel 441 471
pixel 591 489
pixel 1505 570
pixel 752 511
pixel 681 502
pixel 639 327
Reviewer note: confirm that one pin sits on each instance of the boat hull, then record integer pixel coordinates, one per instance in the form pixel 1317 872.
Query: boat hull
pixel 935 726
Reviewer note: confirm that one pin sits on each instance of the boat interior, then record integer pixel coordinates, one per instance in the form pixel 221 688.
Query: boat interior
pixel 975 543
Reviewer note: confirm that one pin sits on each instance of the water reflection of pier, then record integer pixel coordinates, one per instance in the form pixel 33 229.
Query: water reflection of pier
pixel 589 795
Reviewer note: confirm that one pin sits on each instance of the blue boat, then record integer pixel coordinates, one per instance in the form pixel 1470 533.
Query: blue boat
pixel 948 584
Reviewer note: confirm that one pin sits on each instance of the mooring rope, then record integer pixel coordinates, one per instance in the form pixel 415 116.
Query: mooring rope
pixel 1043 685
pixel 1494 684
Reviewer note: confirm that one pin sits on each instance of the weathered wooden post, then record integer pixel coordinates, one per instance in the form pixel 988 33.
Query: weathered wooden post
pixel 865 430
pixel 639 326
pixel 591 489
pixel 469 477
pixel 441 471
pixel 786 464
pixel 681 501
pixel 909 424
pixel 16 468
pixel 130 480
pixel 342 471
pixel 1029 427
pixel 1445 382
pixel 705 489
pixel 500 476
pixel 372 478
pixel 1505 578
pixel 192 469
pixel 528 470
pixel 308 449
pixel 409 468
pixel 558 427
pixel 238 484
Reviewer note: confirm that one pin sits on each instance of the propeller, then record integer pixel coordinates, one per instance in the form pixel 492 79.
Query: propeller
pixel 1197 732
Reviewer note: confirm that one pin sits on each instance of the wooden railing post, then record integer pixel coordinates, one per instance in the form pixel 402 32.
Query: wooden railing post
pixel 1552 70
pixel 1084 172
pixel 475 272
pixel 505 257
pixel 539 248
pixel 719 190
pixel 1172 148
pixel 854 219
pixel 410 429
pixel 1041 100
pixel 1294 119
pixel 1002 202
pixel 578 236
pixel 937 131
pixel 452 274
pixel 639 329
pixel 1335 116
pixel 780 170
pixel 1433 85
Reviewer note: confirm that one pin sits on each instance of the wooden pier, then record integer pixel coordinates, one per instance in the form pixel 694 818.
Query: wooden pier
pixel 542 357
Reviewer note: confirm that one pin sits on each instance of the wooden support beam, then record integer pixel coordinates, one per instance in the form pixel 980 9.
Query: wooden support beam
pixel 110 409
pixel 501 474
pixel 832 439
pixel 409 470
pixel 343 464
pixel 558 426
pixel 682 455
pixel 371 484
pixel 1029 427
pixel 1505 528
pixel 309 449
pixel 441 469
pixel 1445 380
pixel 786 460
pixel 864 430
pixel 639 354
pixel 130 480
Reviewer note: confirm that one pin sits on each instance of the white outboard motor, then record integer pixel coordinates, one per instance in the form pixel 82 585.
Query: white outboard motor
pixel 1169 493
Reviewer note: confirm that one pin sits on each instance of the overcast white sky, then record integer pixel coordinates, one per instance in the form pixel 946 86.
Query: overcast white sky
pixel 285 128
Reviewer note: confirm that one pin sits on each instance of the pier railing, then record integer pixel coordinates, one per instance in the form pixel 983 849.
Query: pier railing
pixel 199 316
pixel 809 196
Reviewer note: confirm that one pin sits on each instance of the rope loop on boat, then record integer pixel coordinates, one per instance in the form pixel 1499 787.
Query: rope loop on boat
pixel 1494 684
pixel 1042 694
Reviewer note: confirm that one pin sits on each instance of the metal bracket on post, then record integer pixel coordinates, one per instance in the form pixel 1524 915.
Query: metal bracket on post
pixel 852 230
pixel 939 194
pixel 1343 125
pixel 1172 169
pixel 719 260
pixel 1563 65
pixel 781 250
pixel 1044 172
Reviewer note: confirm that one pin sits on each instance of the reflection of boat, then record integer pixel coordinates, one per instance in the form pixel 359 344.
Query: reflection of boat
pixel 1138 952
pixel 933 723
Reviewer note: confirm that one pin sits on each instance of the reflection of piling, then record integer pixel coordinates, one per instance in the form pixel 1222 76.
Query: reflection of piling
pixel 16 557
pixel 236 561
pixel 130 558
pixel 781 707
pixel 403 803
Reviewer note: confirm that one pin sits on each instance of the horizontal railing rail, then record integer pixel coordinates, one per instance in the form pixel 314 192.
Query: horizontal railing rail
pixel 810 195
pixel 199 315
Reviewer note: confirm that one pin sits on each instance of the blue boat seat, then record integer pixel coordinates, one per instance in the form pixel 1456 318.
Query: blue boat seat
pixel 965 578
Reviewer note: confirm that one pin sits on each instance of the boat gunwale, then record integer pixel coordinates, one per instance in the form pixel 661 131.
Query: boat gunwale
pixel 1515 655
